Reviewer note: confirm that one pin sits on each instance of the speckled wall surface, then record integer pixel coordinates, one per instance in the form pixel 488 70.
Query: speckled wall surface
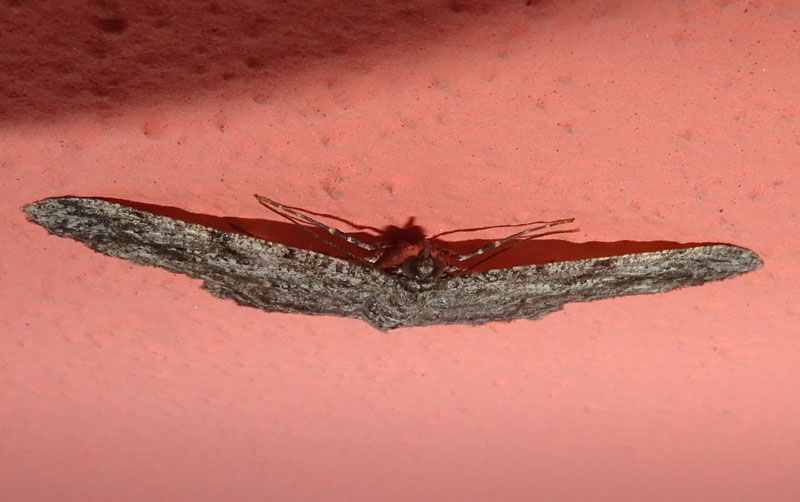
pixel 646 121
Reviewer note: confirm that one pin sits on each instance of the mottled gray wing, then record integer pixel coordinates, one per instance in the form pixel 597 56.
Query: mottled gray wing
pixel 531 292
pixel 252 272
pixel 280 278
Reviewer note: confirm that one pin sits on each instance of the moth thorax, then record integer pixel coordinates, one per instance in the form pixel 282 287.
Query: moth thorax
pixel 422 268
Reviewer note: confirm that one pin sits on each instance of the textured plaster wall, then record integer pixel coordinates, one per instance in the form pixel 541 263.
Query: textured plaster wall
pixel 646 121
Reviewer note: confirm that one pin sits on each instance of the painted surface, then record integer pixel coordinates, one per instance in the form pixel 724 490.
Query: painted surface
pixel 646 121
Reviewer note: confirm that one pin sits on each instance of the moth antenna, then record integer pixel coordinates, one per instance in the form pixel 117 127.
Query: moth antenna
pixel 513 244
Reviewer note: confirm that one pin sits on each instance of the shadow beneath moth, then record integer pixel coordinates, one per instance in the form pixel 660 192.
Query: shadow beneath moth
pixel 401 280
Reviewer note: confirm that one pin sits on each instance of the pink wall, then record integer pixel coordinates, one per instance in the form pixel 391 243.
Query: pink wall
pixel 644 120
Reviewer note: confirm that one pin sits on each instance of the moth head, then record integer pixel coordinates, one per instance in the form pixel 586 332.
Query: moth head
pixel 423 267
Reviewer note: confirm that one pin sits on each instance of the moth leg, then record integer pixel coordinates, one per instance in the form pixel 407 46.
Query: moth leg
pixel 515 243
pixel 278 208
pixel 516 236
pixel 246 232
pixel 515 240
pixel 490 227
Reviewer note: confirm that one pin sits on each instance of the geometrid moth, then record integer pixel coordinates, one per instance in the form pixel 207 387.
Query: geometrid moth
pixel 399 284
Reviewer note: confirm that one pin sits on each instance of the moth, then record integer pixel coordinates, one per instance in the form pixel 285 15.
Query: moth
pixel 393 284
